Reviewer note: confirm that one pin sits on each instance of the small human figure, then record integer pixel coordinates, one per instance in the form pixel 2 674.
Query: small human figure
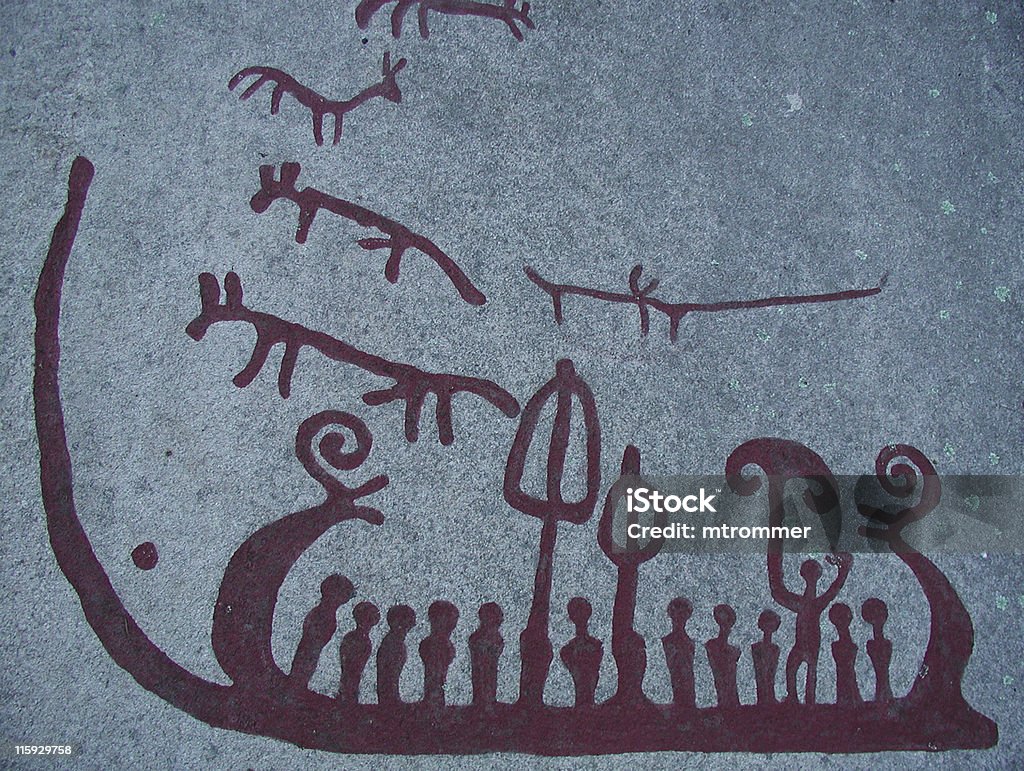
pixel 876 613
pixel 582 654
pixel 808 608
pixel 679 649
pixel 355 651
pixel 485 648
pixel 724 658
pixel 844 651
pixel 319 627
pixel 766 657
pixel 437 651
pixel 391 654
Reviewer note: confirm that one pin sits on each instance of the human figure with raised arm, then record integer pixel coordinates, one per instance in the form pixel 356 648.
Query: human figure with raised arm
pixel 808 608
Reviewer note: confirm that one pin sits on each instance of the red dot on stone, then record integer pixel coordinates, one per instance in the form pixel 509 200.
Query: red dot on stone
pixel 144 556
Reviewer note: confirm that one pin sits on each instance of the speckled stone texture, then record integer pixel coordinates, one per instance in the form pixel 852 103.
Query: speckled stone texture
pixel 735 149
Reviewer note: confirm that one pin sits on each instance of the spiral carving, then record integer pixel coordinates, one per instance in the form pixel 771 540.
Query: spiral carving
pixel 899 468
pixel 782 460
pixel 342 450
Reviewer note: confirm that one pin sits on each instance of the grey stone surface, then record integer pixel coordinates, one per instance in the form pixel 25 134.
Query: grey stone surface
pixel 736 149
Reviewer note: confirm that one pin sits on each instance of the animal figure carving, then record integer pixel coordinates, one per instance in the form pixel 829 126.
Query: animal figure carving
pixel 262 699
pixel 507 12
pixel 412 385
pixel 645 301
pixel 399 238
pixel 319 106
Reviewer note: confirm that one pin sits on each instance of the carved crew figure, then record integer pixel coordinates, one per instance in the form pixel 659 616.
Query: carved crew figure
pixel 355 651
pixel 724 657
pixel 844 651
pixel 808 608
pixel 582 654
pixel 679 650
pixel 766 657
pixel 391 655
pixel 319 627
pixel 485 649
pixel 437 651
pixel 875 612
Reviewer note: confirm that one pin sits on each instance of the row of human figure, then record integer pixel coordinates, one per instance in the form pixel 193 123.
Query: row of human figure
pixel 724 657
pixel 582 655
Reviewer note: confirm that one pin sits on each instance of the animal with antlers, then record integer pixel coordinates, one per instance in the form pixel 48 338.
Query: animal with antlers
pixel 412 385
pixel 399 239
pixel 507 12
pixel 318 105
